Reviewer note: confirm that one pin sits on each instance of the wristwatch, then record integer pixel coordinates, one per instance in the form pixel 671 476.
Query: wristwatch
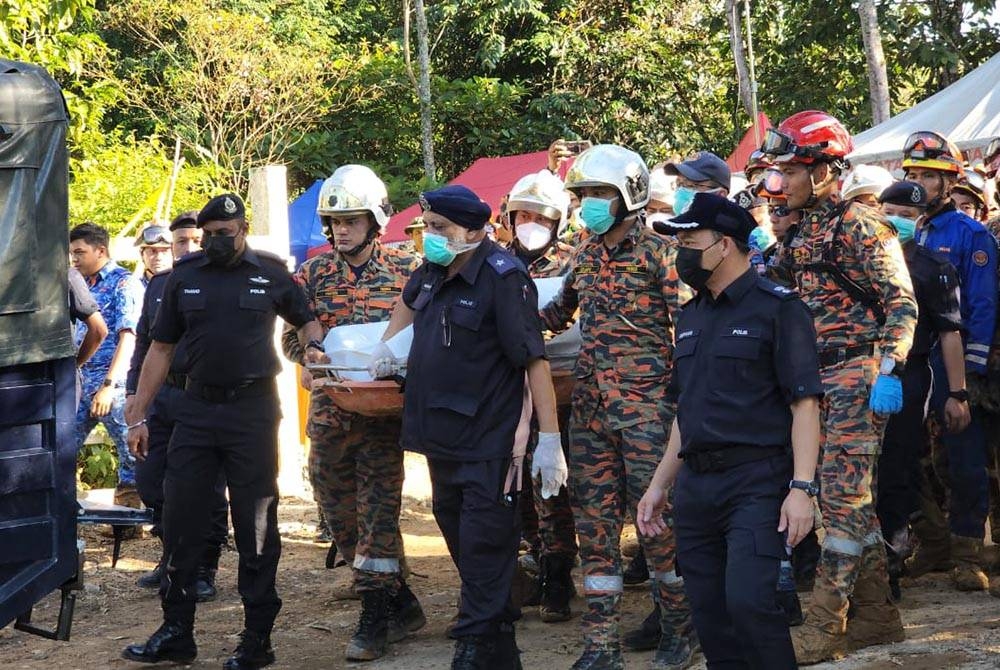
pixel 960 396
pixel 890 366
pixel 811 488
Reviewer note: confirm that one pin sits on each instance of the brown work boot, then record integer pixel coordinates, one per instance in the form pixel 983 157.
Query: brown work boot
pixel 874 618
pixel 967 574
pixel 822 637
pixel 929 558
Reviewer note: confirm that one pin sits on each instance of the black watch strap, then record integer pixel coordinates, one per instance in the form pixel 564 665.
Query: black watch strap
pixel 961 396
pixel 811 488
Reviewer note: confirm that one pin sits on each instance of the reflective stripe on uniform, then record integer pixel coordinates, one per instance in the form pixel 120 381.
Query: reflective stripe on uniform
pixel 603 584
pixel 874 538
pixel 668 577
pixel 369 564
pixel 981 348
pixel 842 545
pixel 981 360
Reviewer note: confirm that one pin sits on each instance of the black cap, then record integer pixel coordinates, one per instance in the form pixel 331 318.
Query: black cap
pixel 458 204
pixel 710 211
pixel 225 207
pixel 906 194
pixel 703 166
pixel 185 220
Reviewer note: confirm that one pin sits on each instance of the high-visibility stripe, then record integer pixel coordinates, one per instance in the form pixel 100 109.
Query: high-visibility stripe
pixel 873 539
pixel 668 577
pixel 984 348
pixel 842 545
pixel 976 359
pixel 369 564
pixel 603 584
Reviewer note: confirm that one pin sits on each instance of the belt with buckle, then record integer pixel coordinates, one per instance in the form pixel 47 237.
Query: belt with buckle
pixel 829 357
pixel 252 388
pixel 719 460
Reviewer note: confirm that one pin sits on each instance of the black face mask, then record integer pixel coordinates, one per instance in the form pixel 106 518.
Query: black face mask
pixel 689 266
pixel 220 249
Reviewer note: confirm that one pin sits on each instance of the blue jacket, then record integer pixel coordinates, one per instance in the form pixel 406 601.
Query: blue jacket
pixel 973 251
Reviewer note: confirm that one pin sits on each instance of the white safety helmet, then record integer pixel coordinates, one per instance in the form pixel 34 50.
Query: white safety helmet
pixel 865 179
pixel 542 193
pixel 612 165
pixel 355 189
pixel 662 186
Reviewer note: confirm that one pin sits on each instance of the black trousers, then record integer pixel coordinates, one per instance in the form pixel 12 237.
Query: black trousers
pixel 149 473
pixel 729 550
pixel 903 446
pixel 482 534
pixel 239 439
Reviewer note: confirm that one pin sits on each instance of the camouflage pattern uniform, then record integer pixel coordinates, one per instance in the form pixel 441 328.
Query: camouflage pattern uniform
pixel 869 253
pixel 627 298
pixel 355 462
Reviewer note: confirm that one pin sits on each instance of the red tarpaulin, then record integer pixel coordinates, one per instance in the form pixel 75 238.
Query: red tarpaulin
pixel 738 159
pixel 490 178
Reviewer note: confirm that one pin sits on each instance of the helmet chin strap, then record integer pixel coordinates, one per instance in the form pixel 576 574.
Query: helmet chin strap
pixel 354 251
pixel 813 198
pixel 935 203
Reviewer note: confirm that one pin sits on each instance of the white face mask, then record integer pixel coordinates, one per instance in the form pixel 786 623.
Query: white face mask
pixel 533 235
pixel 659 217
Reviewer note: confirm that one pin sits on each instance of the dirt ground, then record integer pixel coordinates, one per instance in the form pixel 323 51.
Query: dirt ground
pixel 945 629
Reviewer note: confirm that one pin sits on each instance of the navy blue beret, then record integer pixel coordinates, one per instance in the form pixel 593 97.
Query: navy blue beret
pixel 712 212
pixel 459 205
pixel 225 207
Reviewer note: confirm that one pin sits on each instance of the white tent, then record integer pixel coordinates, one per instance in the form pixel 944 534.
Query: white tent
pixel 967 112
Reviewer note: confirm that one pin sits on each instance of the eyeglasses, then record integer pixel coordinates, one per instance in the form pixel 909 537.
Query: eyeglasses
pixel 925 144
pixel 153 235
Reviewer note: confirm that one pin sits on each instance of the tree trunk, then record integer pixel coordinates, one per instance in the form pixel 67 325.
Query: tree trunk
pixel 739 56
pixel 424 93
pixel 878 81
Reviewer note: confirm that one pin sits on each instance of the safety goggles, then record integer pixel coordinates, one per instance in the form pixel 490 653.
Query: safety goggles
pixel 154 236
pixel 777 143
pixel 769 185
pixel 925 145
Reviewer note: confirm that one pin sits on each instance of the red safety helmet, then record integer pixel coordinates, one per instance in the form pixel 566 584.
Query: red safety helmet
pixel 809 137
pixel 757 160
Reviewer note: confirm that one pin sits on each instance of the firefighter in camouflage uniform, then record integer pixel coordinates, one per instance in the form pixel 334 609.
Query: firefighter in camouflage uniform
pixel 355 462
pixel 848 267
pixel 624 283
pixel 537 208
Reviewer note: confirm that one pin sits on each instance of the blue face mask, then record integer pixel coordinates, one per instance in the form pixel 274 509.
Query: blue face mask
pixel 596 214
pixel 436 249
pixel 682 199
pixel 905 227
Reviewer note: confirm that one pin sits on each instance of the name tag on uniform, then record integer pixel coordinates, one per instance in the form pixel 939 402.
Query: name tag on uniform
pixel 426 287
pixel 192 291
pixel 587 269
pixel 467 303
pixel 686 334
pixel 739 331
pixel 258 291
pixel 631 269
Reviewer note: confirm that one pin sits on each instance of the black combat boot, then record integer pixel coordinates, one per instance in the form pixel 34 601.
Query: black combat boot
pixel 557 587
pixel 253 652
pixel 475 652
pixel 372 635
pixel 204 584
pixel 152 579
pixel 637 571
pixel 507 656
pixel 405 614
pixel 171 642
pixel 647 635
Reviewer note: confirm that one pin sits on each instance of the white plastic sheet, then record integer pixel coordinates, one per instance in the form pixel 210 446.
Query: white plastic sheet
pixel 350 347
pixel 562 349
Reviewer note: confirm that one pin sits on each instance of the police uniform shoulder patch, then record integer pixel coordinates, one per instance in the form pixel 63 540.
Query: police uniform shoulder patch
pixel 776 290
pixel 503 263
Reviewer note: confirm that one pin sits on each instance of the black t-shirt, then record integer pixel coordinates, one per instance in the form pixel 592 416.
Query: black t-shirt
pixel 81 301
pixel 227 315
pixel 473 336
pixel 935 285
pixel 740 360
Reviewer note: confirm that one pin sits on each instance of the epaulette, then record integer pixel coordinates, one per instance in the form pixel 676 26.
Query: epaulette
pixel 187 258
pixel 267 255
pixel 503 263
pixel 776 290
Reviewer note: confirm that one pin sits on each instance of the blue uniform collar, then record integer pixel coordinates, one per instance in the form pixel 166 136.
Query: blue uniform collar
pixel 470 270
pixel 736 290
pixel 250 256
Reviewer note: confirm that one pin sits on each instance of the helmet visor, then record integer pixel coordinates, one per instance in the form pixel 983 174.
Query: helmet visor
pixel 925 145
pixel 154 236
pixel 770 184
pixel 784 148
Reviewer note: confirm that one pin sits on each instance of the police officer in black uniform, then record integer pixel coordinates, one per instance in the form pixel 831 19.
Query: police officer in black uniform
pixel 476 334
pixel 939 320
pixel 223 302
pixel 160 423
pixel 746 378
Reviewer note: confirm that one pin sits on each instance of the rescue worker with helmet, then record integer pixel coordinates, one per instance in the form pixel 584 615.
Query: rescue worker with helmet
pixel 969 195
pixel 623 281
pixel 848 268
pixel 537 208
pixel 936 164
pixel 355 463
pixel 864 184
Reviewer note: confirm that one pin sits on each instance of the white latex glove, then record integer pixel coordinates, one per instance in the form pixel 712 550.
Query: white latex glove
pixel 383 362
pixel 549 464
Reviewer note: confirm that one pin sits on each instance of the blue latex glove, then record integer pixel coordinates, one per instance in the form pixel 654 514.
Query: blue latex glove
pixel 887 395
